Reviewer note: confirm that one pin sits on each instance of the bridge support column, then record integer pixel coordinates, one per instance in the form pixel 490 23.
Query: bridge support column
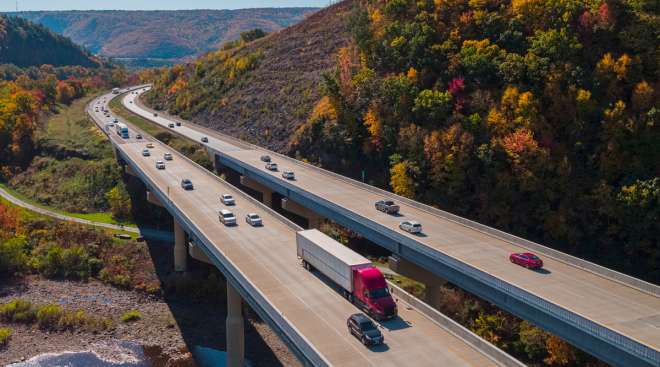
pixel 313 220
pixel 432 282
pixel 180 253
pixel 214 163
pixel 267 194
pixel 129 171
pixel 235 332
pixel 153 199
pixel 196 253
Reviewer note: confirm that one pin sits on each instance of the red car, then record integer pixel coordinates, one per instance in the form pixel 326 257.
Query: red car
pixel 526 259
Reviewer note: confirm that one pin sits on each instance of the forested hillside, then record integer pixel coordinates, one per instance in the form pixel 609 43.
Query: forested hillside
pixel 538 117
pixel 23 43
pixel 148 37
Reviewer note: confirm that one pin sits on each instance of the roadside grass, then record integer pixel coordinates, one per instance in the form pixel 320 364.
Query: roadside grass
pixel 101 217
pixel 70 131
pixel 194 151
pixel 132 315
pixel 28 214
pixel 5 335
pixel 51 317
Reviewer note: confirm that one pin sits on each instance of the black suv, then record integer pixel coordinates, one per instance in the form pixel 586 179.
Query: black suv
pixel 186 184
pixel 364 329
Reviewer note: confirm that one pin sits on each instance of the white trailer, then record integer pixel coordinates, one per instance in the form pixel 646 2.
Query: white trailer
pixel 330 257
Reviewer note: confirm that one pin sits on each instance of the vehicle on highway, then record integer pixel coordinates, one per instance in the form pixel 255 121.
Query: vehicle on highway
pixel 265 158
pixel 122 130
pixel 138 136
pixel 171 125
pixel 253 219
pixel 289 175
pixel 227 199
pixel 205 139
pixel 271 166
pixel 146 153
pixel 178 123
pixel 226 217
pixel 115 120
pixel 361 282
pixel 361 327
pixel 155 114
pixel 411 226
pixel 387 206
pixel 130 101
pixel 186 184
pixel 526 259
pixel 168 156
pixel 115 90
pixel 160 164
pixel 150 145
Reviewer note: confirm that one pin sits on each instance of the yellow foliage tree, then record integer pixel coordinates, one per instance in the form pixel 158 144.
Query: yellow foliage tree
pixel 642 98
pixel 560 353
pixel 401 179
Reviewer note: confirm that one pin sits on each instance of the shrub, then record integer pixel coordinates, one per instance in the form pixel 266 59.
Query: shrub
pixel 5 335
pixel 132 315
pixel 49 317
pixel 17 310
pixel 13 256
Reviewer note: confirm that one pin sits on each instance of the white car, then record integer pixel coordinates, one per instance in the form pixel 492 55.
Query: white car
pixel 271 166
pixel 288 175
pixel 227 199
pixel 168 156
pixel 253 219
pixel 160 164
pixel 227 217
pixel 146 153
pixel 411 226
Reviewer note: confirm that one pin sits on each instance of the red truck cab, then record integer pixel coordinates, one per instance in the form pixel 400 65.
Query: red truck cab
pixel 370 292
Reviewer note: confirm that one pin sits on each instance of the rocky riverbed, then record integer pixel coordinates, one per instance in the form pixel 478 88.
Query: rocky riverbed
pixel 170 326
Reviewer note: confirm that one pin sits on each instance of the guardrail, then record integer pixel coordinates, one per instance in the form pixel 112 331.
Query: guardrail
pixel 625 343
pixel 605 334
pixel 544 250
pixel 456 329
pixel 249 291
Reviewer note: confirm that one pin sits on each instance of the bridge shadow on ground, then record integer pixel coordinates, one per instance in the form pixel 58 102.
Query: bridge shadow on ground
pixel 197 301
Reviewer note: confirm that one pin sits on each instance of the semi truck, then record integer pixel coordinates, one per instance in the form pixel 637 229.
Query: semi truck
pixel 361 282
pixel 122 130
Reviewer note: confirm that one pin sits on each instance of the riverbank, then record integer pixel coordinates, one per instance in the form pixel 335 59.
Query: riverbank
pixel 168 328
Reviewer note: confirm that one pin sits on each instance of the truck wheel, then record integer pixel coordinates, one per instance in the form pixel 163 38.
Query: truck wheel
pixel 364 340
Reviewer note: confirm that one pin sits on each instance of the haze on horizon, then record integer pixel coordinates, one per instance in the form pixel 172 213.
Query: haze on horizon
pixel 34 5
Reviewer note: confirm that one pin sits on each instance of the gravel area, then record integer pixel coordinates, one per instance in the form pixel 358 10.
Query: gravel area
pixel 168 329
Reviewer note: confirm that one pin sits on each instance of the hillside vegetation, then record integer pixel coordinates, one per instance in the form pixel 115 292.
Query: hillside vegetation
pixel 535 116
pixel 260 91
pixel 155 36
pixel 23 43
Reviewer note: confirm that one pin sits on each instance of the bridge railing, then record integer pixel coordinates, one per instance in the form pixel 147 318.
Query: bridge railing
pixel 493 352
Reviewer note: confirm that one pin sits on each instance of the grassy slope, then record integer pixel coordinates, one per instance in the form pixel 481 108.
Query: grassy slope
pixel 71 148
pixel 191 150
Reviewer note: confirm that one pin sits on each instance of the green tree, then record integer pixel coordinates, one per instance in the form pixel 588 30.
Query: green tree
pixel 120 202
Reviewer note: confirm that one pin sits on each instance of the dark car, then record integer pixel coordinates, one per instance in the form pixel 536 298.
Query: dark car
pixel 364 329
pixel 186 184
pixel 205 139
pixel 265 158
pixel 178 123
pixel 387 206
pixel 526 259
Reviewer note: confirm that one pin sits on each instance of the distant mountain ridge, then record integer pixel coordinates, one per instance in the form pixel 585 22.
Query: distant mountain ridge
pixel 161 35
pixel 24 43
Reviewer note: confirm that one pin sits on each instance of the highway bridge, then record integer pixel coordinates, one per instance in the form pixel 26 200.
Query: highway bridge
pixel 613 316
pixel 261 268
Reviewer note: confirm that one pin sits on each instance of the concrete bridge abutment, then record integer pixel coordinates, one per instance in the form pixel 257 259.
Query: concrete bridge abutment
pixel 266 193
pixel 432 283
pixel 235 328
pixel 180 252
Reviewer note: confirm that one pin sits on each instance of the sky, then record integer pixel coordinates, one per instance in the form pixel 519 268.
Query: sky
pixel 24 5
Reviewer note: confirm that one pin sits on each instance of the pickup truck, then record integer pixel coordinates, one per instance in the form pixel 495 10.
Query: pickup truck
pixel 387 206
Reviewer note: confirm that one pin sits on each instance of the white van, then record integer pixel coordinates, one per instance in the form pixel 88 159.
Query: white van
pixel 226 217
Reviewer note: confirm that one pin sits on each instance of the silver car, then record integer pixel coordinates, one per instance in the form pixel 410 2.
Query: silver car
pixel 411 226
pixel 160 164
pixel 226 217
pixel 146 153
pixel 289 175
pixel 253 219
pixel 168 156
pixel 227 199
